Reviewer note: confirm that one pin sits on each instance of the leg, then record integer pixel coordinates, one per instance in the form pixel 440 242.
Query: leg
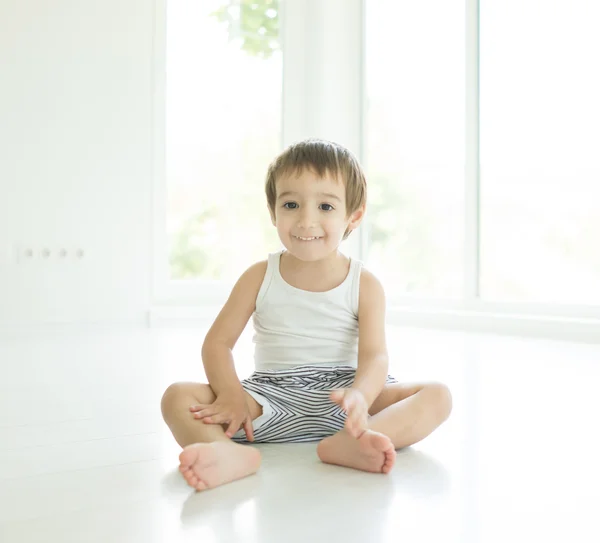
pixel 209 457
pixel 402 415
pixel 175 404
pixel 409 413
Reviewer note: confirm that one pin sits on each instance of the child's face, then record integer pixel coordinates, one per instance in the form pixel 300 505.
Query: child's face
pixel 310 214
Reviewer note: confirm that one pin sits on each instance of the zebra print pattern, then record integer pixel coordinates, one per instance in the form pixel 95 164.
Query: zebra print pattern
pixel 296 404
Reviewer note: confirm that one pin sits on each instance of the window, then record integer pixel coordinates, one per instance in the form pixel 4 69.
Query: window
pixel 414 145
pixel 540 136
pixel 520 236
pixel 223 102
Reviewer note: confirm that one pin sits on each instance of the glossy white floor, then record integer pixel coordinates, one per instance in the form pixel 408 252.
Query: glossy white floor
pixel 84 455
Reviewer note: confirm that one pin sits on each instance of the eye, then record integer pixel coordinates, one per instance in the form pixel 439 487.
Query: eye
pixel 290 205
pixel 326 207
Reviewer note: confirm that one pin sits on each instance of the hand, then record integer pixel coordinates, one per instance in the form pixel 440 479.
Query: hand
pixel 227 408
pixel 354 404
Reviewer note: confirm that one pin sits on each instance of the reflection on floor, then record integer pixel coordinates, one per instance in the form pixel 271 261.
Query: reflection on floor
pixel 85 457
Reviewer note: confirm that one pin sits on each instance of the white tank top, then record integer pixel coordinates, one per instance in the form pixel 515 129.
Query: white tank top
pixel 294 327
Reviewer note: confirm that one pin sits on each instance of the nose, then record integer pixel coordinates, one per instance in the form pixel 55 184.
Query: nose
pixel 306 219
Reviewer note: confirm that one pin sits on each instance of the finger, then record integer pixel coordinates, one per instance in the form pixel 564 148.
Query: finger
pixel 349 402
pixel 353 421
pixel 205 413
pixel 355 429
pixel 199 407
pixel 356 419
pixel 234 426
pixel 351 429
pixel 248 428
pixel 348 422
pixel 340 404
pixel 218 418
pixel 352 409
pixel 337 395
pixel 360 426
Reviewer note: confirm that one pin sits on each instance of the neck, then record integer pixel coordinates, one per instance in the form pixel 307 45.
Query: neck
pixel 323 264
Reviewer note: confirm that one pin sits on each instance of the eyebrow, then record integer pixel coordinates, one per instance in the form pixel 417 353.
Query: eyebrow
pixel 325 194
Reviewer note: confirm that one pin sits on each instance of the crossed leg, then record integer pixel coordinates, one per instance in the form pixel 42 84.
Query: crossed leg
pixel 209 457
pixel 401 416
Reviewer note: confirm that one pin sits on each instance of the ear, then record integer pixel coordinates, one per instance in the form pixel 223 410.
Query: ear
pixel 356 218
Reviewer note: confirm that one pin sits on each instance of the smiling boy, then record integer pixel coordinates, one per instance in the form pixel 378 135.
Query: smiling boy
pixel 321 362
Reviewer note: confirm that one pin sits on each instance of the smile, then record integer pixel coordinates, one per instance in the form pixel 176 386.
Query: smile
pixel 307 239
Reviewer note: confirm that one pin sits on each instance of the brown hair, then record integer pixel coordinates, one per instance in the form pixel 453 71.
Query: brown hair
pixel 322 157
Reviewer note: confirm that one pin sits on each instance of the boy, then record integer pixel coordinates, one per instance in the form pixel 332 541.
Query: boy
pixel 320 357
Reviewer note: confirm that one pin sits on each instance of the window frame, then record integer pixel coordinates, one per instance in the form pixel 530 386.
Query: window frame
pixel 321 42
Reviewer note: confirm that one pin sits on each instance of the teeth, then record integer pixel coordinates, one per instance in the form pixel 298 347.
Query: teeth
pixel 307 239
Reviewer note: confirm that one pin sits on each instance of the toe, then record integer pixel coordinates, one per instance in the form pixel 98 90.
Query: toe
pixel 390 460
pixel 188 456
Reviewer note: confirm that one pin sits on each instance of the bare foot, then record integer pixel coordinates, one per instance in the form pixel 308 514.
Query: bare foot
pixel 206 465
pixel 370 452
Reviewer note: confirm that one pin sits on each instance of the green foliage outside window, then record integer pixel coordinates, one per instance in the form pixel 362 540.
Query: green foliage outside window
pixel 254 22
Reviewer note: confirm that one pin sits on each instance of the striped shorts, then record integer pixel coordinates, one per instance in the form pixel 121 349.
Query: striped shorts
pixel 296 404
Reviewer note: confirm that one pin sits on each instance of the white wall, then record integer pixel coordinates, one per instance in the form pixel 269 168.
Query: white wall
pixel 76 157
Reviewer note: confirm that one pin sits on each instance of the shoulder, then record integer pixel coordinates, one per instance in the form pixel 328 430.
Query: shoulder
pixel 257 268
pixel 243 295
pixel 370 286
pixel 248 284
pixel 238 308
pixel 255 274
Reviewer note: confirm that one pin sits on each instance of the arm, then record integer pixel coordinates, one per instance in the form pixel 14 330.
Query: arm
pixel 217 349
pixel 372 367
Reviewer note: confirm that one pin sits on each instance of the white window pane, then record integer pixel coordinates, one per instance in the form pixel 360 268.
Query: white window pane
pixel 223 128
pixel 414 149
pixel 540 138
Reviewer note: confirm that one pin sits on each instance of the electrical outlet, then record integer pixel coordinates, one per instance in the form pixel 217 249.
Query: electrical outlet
pixel 23 254
pixel 30 254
